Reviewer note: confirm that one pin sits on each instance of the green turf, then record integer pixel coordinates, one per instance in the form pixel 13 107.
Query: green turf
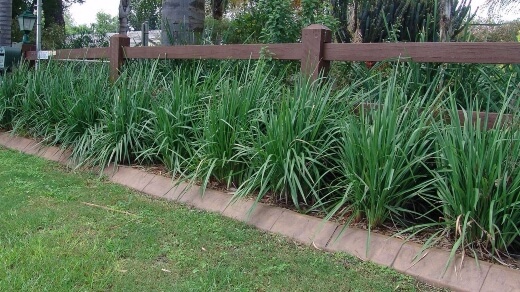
pixel 50 240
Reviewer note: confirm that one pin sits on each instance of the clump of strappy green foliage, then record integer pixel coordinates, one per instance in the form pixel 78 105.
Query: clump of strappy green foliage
pixel 387 146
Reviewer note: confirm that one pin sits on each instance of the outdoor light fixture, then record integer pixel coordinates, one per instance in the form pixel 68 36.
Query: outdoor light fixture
pixel 26 22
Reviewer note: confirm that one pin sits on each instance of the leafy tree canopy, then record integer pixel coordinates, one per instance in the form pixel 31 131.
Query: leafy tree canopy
pixel 145 10
pixel 92 35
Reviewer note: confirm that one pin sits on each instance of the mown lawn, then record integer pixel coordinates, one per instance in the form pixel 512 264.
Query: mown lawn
pixel 51 240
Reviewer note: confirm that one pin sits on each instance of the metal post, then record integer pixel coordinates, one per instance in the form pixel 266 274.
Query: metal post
pixel 144 34
pixel 38 30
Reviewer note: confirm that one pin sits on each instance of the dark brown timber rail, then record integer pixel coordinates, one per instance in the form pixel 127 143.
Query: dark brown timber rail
pixel 87 53
pixel 243 52
pixel 480 53
pixel 315 52
pixel 476 53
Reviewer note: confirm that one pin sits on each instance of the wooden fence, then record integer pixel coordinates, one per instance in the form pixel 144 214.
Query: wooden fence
pixel 315 53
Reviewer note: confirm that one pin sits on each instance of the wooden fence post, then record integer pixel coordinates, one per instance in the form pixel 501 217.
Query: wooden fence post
pixel 314 37
pixel 26 48
pixel 117 57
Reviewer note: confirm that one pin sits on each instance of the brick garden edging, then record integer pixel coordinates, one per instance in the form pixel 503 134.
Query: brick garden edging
pixel 405 257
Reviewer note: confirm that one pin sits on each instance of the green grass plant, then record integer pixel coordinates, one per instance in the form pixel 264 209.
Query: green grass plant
pixel 12 85
pixel 229 121
pixel 382 155
pixel 292 141
pixel 61 110
pixel 244 124
pixel 176 115
pixel 122 131
pixel 477 80
pixel 124 241
pixel 478 185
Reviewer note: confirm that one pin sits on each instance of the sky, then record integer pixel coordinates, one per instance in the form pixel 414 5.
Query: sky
pixel 86 13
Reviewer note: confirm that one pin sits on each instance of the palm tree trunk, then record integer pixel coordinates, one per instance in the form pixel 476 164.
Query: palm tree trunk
pixel 182 21
pixel 6 7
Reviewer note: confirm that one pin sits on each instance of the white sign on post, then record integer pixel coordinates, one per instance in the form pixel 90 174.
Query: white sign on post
pixel 43 55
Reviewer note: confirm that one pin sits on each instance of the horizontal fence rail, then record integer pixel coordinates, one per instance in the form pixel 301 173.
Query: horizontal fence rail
pixel 315 52
pixel 67 54
pixel 243 52
pixel 481 53
pixel 477 53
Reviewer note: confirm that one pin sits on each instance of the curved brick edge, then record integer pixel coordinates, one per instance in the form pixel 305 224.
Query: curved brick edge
pixel 406 257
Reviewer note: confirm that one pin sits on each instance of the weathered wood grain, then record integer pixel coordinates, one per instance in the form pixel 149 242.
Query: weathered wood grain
pixel 314 38
pixel 118 43
pixel 66 54
pixel 275 51
pixel 483 53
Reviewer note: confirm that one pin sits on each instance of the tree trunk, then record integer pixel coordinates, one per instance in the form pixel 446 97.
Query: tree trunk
pixel 5 22
pixel 182 21
pixel 124 12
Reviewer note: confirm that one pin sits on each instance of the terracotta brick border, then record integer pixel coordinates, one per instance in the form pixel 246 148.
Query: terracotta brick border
pixel 405 257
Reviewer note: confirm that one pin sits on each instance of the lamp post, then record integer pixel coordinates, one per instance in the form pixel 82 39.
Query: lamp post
pixel 26 21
